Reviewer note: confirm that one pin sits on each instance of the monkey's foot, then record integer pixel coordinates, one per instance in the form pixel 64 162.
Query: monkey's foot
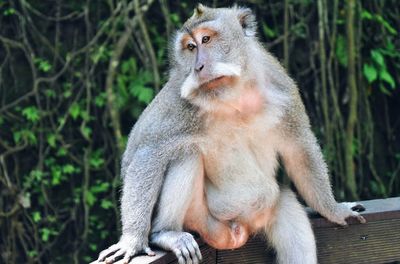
pixel 347 210
pixel 125 249
pixel 182 244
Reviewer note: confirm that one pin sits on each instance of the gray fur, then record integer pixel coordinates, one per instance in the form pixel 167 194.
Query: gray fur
pixel 159 166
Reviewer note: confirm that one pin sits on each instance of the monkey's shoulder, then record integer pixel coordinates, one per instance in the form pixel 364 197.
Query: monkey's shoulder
pixel 167 117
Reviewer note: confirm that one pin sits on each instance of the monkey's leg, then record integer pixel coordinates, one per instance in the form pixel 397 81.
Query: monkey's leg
pixel 173 204
pixel 290 232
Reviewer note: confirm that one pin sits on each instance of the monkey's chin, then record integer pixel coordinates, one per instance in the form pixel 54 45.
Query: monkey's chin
pixel 222 81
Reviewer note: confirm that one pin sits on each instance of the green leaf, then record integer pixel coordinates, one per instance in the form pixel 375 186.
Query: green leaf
pixel 87 259
pixel 175 18
pixel 36 216
pixel 341 50
pixel 51 139
pixel 386 24
pixel 68 169
pixel 56 175
pixel 90 198
pixel 37 175
pixel 96 162
pixel 99 188
pixel 93 247
pixel 43 64
pixel 45 234
pixel 269 32
pixel 106 204
pixel 370 73
pixel 385 76
pixel 50 93
pixel 86 132
pixel 366 15
pixel 146 95
pixel 75 110
pixel 100 99
pixel 17 136
pixel 31 113
pixel 378 58
pixel 61 152
pixel 9 11
pixel 67 94
pixel 26 135
pixel 85 115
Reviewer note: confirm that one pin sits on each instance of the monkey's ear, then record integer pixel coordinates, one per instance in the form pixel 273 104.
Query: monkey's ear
pixel 199 10
pixel 248 21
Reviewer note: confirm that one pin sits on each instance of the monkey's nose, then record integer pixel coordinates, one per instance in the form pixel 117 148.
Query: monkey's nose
pixel 199 67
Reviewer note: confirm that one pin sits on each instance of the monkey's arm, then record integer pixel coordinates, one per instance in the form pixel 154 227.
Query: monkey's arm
pixel 141 186
pixel 305 165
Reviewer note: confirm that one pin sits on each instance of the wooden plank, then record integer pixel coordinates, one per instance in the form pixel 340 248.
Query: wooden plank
pixel 374 242
pixel 377 241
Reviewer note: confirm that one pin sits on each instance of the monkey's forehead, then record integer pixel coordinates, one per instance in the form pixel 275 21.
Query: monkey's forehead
pixel 195 20
pixel 204 14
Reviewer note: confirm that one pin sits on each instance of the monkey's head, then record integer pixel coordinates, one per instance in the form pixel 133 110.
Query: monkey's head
pixel 211 49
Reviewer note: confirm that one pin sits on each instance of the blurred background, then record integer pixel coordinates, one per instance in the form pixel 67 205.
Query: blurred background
pixel 75 76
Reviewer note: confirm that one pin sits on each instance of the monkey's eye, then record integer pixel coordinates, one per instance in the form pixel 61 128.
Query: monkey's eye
pixel 205 39
pixel 191 46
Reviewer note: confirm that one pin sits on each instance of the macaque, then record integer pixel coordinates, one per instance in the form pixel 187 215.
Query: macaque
pixel 204 154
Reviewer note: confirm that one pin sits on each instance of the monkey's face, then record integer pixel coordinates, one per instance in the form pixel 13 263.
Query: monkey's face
pixel 211 51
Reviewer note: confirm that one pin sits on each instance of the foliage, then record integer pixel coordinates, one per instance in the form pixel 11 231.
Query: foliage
pixel 75 76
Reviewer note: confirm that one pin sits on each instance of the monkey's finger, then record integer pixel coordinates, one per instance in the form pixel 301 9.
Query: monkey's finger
pixel 115 256
pixel 107 252
pixel 149 252
pixel 192 250
pixel 195 259
pixel 128 256
pixel 197 250
pixel 178 254
pixel 359 218
pixel 186 254
pixel 342 223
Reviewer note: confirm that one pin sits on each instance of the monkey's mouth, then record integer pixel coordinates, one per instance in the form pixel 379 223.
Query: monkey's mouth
pixel 217 82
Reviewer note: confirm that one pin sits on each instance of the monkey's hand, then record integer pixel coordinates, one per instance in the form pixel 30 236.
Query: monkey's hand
pixel 346 210
pixel 125 249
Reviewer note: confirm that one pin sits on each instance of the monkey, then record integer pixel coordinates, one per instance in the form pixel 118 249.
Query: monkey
pixel 204 154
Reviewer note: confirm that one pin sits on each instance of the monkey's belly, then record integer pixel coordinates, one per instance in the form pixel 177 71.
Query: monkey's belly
pixel 241 186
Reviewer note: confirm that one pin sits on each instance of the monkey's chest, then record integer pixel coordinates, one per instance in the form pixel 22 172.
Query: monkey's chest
pixel 240 167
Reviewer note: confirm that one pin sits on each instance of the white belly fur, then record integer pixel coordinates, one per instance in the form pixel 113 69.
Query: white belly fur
pixel 240 165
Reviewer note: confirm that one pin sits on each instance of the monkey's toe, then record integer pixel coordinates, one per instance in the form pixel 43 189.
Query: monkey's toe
pixel 187 250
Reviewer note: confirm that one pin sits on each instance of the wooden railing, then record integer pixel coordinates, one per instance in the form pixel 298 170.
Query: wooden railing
pixel 377 241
